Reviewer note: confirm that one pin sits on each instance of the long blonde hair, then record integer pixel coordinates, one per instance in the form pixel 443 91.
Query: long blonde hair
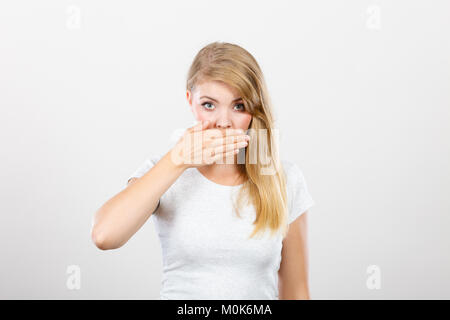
pixel 235 66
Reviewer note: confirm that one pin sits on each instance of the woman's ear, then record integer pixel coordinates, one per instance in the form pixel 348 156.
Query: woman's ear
pixel 189 97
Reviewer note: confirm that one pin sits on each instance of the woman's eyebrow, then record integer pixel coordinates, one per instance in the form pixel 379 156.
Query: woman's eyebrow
pixel 218 101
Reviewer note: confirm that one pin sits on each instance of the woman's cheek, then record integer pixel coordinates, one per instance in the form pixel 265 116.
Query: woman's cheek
pixel 203 115
pixel 244 120
pixel 198 114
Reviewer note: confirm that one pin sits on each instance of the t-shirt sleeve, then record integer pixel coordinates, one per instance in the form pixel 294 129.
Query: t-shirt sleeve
pixel 298 195
pixel 149 162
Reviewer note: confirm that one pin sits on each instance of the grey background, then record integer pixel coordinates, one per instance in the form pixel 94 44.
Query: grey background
pixel 360 89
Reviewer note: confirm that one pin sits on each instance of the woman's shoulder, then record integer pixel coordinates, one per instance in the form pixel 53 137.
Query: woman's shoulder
pixel 149 161
pixel 293 173
pixel 299 197
pixel 289 166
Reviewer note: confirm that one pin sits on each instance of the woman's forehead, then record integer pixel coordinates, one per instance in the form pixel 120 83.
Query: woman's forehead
pixel 216 89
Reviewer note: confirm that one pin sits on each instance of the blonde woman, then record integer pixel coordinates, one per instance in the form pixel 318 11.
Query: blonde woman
pixel 228 229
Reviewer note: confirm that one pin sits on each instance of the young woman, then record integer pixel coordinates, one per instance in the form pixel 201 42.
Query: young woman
pixel 228 229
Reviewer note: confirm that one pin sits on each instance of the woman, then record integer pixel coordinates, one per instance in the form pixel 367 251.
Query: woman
pixel 213 215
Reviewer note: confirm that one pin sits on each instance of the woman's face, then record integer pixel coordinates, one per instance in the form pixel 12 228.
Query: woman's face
pixel 219 103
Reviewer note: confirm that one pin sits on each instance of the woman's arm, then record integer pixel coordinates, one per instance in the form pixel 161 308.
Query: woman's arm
pixel 116 221
pixel 293 273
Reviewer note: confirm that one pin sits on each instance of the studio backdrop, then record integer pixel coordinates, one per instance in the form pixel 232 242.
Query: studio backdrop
pixel 360 90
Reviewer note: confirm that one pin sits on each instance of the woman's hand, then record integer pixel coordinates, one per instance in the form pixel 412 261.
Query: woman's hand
pixel 200 146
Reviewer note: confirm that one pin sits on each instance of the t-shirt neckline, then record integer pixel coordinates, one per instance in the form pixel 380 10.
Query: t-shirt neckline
pixel 215 183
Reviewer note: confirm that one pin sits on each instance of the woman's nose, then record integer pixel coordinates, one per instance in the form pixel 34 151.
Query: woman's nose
pixel 223 123
pixel 224 126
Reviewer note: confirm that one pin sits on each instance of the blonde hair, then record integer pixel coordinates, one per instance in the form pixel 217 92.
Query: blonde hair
pixel 235 66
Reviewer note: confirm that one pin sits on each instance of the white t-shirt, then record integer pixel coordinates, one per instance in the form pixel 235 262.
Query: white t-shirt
pixel 204 245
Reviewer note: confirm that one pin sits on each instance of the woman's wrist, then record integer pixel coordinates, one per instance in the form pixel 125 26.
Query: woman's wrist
pixel 176 163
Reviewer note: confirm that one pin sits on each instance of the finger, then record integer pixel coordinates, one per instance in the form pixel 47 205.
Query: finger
pixel 217 133
pixel 230 147
pixel 227 140
pixel 220 156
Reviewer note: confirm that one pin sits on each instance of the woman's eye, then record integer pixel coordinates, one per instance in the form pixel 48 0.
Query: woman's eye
pixel 242 105
pixel 204 104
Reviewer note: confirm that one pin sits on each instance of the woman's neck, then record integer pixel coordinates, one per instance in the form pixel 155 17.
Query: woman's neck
pixel 228 174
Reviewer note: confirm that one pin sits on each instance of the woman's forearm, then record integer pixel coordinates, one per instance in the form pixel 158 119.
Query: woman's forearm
pixel 299 292
pixel 119 218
